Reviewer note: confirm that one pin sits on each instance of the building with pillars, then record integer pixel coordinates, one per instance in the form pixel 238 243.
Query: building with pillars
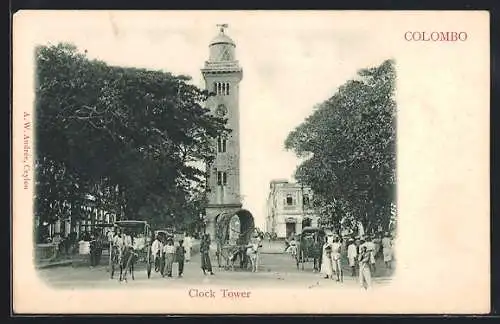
pixel 289 208
pixel 222 75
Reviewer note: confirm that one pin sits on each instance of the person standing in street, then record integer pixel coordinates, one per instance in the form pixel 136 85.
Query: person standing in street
pixel 352 254
pixel 387 250
pixel 326 259
pixel 188 244
pixel 180 253
pixel 169 250
pixel 336 262
pixel 365 278
pixel 156 252
pixel 206 265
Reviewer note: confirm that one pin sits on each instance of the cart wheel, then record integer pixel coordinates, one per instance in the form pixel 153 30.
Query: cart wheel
pixel 148 266
pixel 111 266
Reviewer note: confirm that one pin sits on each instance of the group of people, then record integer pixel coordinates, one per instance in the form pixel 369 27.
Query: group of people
pixel 164 248
pixel 361 255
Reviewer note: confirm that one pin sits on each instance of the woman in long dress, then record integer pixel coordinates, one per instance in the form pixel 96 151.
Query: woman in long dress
pixel 326 259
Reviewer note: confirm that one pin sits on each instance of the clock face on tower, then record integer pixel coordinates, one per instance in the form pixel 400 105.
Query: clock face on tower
pixel 221 111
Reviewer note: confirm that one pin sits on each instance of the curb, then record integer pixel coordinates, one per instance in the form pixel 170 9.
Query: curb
pixel 55 264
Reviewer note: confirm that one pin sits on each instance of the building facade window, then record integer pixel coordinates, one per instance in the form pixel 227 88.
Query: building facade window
pixel 221 178
pixel 221 88
pixel 289 200
pixel 221 145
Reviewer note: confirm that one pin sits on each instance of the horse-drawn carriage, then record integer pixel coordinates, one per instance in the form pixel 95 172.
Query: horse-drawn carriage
pixel 234 232
pixel 310 246
pixel 125 260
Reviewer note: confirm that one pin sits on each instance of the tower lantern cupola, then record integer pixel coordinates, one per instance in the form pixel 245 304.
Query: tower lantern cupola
pixel 222 47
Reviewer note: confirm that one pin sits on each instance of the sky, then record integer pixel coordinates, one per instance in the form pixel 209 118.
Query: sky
pixel 290 61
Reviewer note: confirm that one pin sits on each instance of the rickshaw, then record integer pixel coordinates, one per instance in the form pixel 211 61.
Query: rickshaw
pixel 310 246
pixel 140 231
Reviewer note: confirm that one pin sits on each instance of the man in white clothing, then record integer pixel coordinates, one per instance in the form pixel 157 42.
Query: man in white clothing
pixel 156 251
pixel 336 262
pixel 387 249
pixel 352 253
pixel 187 245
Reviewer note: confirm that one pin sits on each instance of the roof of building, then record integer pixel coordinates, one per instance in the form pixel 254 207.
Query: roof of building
pixel 279 181
pixel 222 39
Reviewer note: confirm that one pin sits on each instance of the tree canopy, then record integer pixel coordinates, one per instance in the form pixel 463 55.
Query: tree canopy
pixel 130 138
pixel 349 147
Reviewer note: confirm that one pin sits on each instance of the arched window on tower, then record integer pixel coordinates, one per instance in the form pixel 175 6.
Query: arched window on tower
pixel 215 87
pixel 227 89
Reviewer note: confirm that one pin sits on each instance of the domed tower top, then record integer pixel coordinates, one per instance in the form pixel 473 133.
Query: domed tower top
pixel 222 47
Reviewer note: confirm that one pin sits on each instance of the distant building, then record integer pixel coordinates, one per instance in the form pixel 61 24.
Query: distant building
pixel 289 208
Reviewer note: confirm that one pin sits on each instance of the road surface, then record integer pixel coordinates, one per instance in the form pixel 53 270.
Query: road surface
pixel 276 269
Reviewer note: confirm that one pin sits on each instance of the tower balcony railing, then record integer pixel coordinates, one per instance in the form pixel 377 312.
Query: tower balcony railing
pixel 222 66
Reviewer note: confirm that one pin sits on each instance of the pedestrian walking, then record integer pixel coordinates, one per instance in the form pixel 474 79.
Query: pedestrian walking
pixel 252 254
pixel 365 277
pixel 326 260
pixel 180 253
pixel 156 252
pixel 335 255
pixel 370 247
pixel 169 251
pixel 292 248
pixel 387 249
pixel 352 254
pixel 206 265
pixel 188 244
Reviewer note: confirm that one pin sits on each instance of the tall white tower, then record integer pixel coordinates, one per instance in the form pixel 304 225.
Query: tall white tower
pixel 222 75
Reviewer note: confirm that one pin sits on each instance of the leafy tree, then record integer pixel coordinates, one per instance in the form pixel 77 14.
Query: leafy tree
pixel 126 136
pixel 349 146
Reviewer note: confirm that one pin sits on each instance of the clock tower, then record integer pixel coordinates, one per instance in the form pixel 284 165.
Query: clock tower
pixel 222 75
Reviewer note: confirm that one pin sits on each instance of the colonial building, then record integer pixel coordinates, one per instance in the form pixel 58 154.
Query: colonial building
pixel 289 208
pixel 222 75
pixel 89 215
